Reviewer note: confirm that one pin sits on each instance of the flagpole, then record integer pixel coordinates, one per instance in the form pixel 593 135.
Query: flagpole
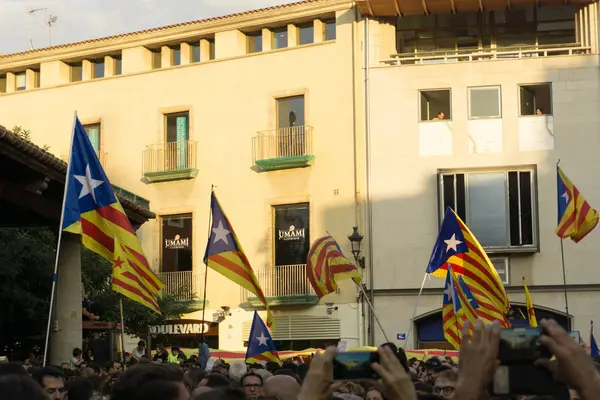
pixel 57 258
pixel 564 272
pixel 372 310
pixel 212 189
pixel 122 331
pixel 412 319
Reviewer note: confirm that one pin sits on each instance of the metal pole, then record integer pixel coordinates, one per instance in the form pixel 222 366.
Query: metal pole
pixel 122 331
pixel 60 231
pixel 562 257
pixel 414 312
pixel 372 310
pixel 212 189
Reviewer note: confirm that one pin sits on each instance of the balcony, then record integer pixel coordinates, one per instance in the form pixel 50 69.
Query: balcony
pixel 170 161
pixel 283 148
pixel 285 285
pixel 184 286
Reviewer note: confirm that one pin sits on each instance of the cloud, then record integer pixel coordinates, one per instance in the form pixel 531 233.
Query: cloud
pixel 86 19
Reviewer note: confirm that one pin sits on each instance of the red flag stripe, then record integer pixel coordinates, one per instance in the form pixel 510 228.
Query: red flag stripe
pixel 135 291
pixel 236 269
pixel 116 217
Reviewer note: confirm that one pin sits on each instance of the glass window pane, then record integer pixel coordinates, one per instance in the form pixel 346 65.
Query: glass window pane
pixel 98 69
pixel 501 267
pixel 195 51
pixel 156 59
pixel 487 208
pixel 76 73
pixel 20 81
pixel 290 111
pixel 280 38
pixel 177 127
pixel 306 33
pixel 175 55
pixel 484 102
pixel 330 33
pixel 255 42
pixel 2 83
pixel 118 66
pixel 211 49
pixel 93 132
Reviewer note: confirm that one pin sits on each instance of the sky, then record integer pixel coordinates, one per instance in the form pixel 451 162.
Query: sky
pixel 87 19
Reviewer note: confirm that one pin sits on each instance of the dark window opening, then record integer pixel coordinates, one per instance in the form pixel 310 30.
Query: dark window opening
pixel 177 243
pixel 536 99
pixel 435 105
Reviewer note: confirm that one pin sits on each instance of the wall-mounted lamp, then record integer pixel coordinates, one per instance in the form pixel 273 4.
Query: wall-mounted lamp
pixel 355 240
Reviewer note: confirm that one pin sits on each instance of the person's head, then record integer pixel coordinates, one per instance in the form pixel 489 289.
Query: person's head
pixel 12 368
pixel 21 387
pixel 286 372
pixel 175 350
pixel 80 389
pixel 444 384
pixel 441 115
pixel 373 394
pixel 114 367
pixel 65 365
pixel 160 348
pixel 252 384
pixel 281 387
pixel 215 381
pixel 264 374
pixel 221 394
pixel 52 380
pixel 237 370
pixel 200 390
pixel 77 353
pixel 150 382
pixel 539 111
pixel 254 367
pixel 141 345
pixel 272 367
pixel 87 372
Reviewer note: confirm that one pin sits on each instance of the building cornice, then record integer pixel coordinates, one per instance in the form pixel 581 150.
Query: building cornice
pixel 176 33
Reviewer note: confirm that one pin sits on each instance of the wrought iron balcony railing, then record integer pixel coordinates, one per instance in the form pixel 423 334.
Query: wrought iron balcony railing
pixel 170 161
pixel 283 148
pixel 184 285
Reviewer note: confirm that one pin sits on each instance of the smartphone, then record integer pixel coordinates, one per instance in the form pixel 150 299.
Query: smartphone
pixel 521 345
pixel 355 365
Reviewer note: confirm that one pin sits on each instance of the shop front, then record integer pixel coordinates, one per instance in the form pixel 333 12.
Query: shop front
pixel 185 333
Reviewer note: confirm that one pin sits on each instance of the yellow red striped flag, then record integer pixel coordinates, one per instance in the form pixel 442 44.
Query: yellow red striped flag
pixel 530 310
pixel 576 218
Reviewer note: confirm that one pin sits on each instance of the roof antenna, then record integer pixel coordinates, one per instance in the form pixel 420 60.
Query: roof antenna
pixel 30 14
pixel 51 21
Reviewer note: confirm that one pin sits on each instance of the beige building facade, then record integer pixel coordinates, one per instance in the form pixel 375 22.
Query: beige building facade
pixel 258 105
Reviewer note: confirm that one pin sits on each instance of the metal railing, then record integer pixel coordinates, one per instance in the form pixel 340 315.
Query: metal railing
pixel 184 285
pixel 283 142
pixel 283 280
pixel 170 156
pixel 501 53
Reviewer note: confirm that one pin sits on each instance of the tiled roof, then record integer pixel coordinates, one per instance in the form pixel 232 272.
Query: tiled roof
pixel 162 28
pixel 60 166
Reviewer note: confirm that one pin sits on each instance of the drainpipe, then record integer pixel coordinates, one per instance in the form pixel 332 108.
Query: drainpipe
pixel 360 311
pixel 369 199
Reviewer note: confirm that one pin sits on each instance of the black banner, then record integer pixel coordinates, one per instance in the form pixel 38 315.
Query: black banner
pixel 292 234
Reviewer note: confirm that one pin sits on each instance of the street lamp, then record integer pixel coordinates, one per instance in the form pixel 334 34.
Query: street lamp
pixel 355 240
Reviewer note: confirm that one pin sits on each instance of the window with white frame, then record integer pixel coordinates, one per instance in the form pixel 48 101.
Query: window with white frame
pixel 485 102
pixel 499 206
pixel 501 263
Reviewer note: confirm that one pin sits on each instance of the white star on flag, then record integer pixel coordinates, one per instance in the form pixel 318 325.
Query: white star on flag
pixel 450 293
pixel 452 243
pixel 88 184
pixel 221 233
pixel 262 339
pixel 565 195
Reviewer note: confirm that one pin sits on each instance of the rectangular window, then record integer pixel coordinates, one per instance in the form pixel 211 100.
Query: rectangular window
pixel 93 131
pixel 195 51
pixel 118 65
pixel 211 49
pixel 502 267
pixel 330 30
pixel 292 234
pixel 175 55
pixel 36 78
pixel 156 58
pixel 2 83
pixel 20 81
pixel 435 105
pixel 485 102
pixel 280 38
pixel 177 136
pixel 498 206
pixel 98 68
pixel 291 132
pixel 176 249
pixel 536 99
pixel 306 33
pixel 76 71
pixel 254 42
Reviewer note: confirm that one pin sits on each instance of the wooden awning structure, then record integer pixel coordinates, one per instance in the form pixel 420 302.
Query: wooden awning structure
pixel 32 183
pixel 394 8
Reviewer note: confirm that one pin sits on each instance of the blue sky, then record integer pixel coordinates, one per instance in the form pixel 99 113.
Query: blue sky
pixel 86 19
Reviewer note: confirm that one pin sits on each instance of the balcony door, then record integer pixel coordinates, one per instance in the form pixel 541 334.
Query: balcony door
pixel 290 126
pixel 177 136
pixel 93 132
pixel 292 242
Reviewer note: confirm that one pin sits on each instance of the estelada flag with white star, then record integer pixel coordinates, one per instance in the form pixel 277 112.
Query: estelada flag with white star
pixel 225 254
pixel 260 343
pixel 575 216
pixel 456 245
pixel 458 306
pixel 92 210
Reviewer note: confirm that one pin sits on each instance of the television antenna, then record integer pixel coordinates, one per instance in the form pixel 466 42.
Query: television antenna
pixel 51 21
pixel 30 14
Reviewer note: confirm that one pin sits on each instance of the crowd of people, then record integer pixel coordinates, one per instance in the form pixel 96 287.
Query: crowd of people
pixel 167 377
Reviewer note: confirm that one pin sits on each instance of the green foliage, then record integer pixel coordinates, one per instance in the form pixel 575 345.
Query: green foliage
pixel 26 134
pixel 26 266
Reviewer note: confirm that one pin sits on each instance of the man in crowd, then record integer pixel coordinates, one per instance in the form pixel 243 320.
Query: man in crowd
pixel 52 380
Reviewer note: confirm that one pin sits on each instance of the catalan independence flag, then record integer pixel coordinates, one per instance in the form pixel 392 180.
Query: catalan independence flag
pixel 530 310
pixel 575 216
pixel 456 245
pixel 327 264
pixel 458 306
pixel 92 210
pixel 225 255
pixel 260 343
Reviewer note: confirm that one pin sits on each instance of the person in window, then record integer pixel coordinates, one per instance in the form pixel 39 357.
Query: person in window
pixel 86 309
pixel 440 116
pixel 539 111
